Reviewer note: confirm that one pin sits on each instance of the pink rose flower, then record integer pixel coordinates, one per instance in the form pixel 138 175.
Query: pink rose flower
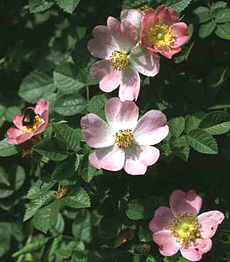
pixel 181 228
pixel 124 142
pixel 161 31
pixel 33 122
pixel 122 57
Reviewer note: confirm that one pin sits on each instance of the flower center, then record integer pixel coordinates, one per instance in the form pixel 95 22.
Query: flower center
pixel 31 128
pixel 144 8
pixel 124 138
pixel 119 60
pixel 161 36
pixel 185 228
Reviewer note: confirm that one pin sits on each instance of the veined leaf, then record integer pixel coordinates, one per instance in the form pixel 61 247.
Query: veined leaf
pixel 176 126
pixel 7 149
pixel 53 148
pixel 202 141
pixel 215 123
pixel 68 5
pixel 178 5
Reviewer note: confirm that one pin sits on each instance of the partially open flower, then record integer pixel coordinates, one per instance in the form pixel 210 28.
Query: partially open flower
pixel 123 59
pixel 33 122
pixel 181 228
pixel 124 142
pixel 161 31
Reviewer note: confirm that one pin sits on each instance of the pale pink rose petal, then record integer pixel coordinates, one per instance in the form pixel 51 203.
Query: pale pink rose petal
pixel 96 131
pixel 130 84
pixel 110 158
pixel 103 44
pixel 124 33
pixel 144 61
pixel 41 106
pixel 15 137
pixel 180 31
pixel 194 253
pixel 209 222
pixel 133 16
pixel 138 158
pixel 121 115
pixel 185 202
pixel 151 128
pixel 109 78
pixel 170 52
pixel 167 15
pixel 166 242
pixel 17 120
pixel 162 219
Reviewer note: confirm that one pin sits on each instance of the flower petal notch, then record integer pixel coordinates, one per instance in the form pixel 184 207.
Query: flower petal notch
pixel 181 228
pixel 33 122
pixel 124 141
pixel 123 58
pixel 161 31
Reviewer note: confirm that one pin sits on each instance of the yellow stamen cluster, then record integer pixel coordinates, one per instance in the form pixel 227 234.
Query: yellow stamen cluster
pixel 29 129
pixel 161 36
pixel 119 60
pixel 144 8
pixel 185 228
pixel 124 138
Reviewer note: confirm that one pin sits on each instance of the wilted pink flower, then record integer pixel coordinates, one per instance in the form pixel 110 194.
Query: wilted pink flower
pixel 180 228
pixel 31 123
pixel 122 57
pixel 124 142
pixel 162 32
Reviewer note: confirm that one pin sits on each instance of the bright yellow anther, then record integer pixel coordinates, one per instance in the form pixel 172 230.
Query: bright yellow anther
pixel 124 138
pixel 185 228
pixel 161 36
pixel 119 60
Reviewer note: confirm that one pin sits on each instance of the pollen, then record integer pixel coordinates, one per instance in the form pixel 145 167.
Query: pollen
pixel 119 60
pixel 37 122
pixel 144 8
pixel 161 36
pixel 186 229
pixel 124 138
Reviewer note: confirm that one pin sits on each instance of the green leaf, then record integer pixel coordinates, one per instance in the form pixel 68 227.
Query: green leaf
pixel 145 235
pixel 203 14
pixel 223 31
pixel 135 210
pixel 70 105
pixel 65 78
pixel 216 78
pixel 178 5
pixel 218 5
pixel 78 198
pixel 11 111
pixel 180 147
pixel 86 170
pixel 215 123
pixel 82 226
pixel 68 5
pixel 5 235
pixel 71 137
pixel 46 217
pixel 96 105
pixel 40 5
pixel 39 188
pixel 35 244
pixel 176 126
pixel 53 148
pixel 219 107
pixel 35 86
pixel 206 29
pixel 36 203
pixel 202 141
pixel 7 149
pixel 192 122
pixel 17 177
pixel 59 226
pixel 64 169
pixel 128 4
pixel 222 15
